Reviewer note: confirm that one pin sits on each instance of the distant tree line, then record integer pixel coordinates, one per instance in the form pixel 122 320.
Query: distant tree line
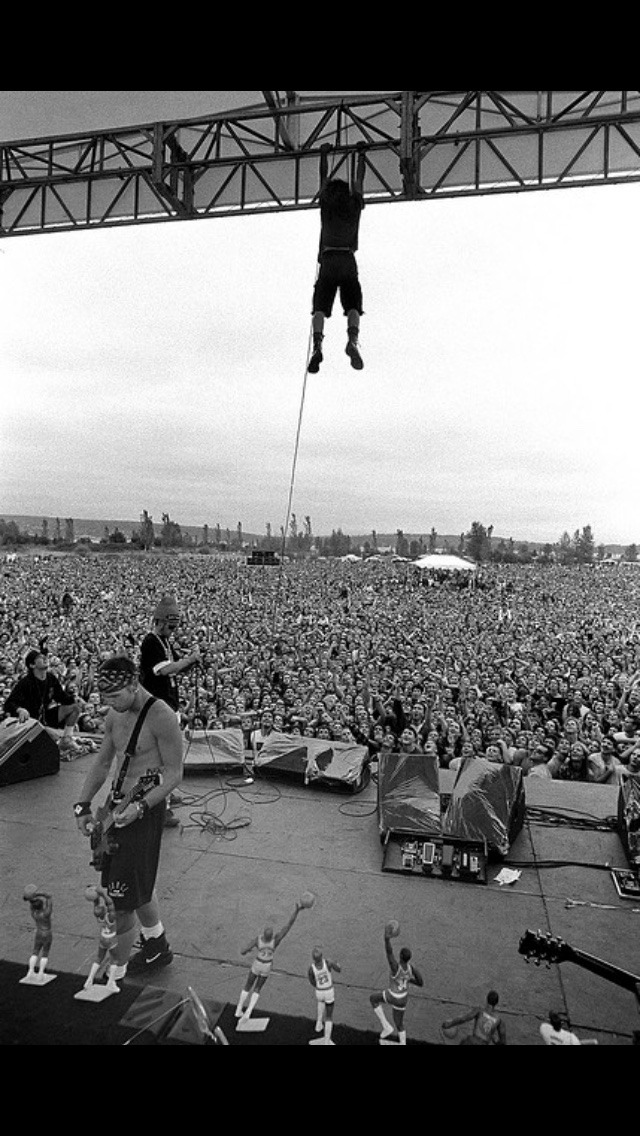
pixel 476 544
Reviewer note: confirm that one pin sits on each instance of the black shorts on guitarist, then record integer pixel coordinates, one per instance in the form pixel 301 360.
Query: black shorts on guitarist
pixel 127 858
pixel 129 872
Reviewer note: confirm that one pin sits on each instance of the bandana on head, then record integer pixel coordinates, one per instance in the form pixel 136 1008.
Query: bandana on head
pixel 115 674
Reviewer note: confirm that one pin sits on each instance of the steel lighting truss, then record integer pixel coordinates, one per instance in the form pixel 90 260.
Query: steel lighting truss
pixel 418 145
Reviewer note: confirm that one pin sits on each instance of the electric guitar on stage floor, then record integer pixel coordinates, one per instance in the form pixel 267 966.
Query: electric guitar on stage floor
pixel 102 844
pixel 547 948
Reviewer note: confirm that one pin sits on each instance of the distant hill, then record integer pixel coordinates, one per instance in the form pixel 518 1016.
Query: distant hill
pixel 95 529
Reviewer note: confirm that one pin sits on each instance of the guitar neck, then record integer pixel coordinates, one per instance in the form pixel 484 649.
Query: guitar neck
pixel 604 969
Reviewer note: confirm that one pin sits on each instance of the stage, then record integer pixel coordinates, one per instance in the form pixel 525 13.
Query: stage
pixel 246 851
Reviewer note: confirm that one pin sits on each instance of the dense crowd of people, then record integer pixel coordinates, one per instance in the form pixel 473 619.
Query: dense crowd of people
pixel 533 666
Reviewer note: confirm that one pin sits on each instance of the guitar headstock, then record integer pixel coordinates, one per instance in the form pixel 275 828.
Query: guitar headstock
pixel 541 946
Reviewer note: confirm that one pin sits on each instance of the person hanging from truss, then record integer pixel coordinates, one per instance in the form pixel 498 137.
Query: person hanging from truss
pixel 340 208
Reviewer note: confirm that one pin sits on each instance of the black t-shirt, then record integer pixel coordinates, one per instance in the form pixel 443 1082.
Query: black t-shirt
pixel 153 650
pixel 339 226
pixel 36 696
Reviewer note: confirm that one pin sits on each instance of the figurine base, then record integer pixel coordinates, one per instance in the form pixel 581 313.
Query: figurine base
pixel 252 1025
pixel 37 979
pixel 321 1041
pixel 386 1041
pixel 97 992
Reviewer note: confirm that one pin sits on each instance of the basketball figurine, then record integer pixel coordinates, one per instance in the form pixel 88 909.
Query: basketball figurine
pixel 321 979
pixel 265 944
pixel 402 974
pixel 41 905
pixel 105 914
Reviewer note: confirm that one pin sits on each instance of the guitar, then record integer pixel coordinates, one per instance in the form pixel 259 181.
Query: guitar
pixel 547 948
pixel 102 844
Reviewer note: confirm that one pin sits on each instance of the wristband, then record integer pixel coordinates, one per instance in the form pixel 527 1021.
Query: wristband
pixel 83 808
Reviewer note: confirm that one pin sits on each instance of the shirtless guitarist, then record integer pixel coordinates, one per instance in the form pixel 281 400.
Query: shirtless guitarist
pixel 142 749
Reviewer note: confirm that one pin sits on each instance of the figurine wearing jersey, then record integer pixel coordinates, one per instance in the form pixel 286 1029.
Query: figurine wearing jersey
pixel 488 1027
pixel 322 981
pixel 264 944
pixel 104 911
pixel 402 974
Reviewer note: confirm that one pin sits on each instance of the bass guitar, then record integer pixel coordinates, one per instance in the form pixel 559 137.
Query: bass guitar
pixel 103 842
pixel 548 948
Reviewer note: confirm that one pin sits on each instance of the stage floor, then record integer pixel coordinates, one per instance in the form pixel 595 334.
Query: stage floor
pixel 267 842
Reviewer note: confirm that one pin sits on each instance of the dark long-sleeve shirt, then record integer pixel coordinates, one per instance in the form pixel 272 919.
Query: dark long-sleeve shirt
pixel 35 696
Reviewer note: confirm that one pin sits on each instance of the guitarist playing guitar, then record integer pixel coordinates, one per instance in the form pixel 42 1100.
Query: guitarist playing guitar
pixel 142 748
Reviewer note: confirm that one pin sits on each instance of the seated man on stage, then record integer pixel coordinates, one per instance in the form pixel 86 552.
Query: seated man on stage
pixel 39 695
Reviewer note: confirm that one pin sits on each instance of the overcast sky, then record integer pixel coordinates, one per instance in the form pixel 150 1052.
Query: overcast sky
pixel 162 367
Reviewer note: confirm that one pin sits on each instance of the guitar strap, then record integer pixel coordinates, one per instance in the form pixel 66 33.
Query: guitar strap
pixel 131 748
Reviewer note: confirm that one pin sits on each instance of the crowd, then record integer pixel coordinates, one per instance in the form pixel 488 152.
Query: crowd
pixel 533 666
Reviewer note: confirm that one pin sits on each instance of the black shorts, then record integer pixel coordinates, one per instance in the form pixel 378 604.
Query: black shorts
pixel 338 271
pixel 129 873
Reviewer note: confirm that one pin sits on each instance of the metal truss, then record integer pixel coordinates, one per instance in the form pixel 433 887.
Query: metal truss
pixel 418 145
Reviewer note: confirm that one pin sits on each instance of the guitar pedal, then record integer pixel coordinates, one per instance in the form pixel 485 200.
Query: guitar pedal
pixel 409 855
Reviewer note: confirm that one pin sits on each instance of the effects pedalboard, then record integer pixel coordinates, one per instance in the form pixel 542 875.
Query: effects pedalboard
pixel 442 858
pixel 627 883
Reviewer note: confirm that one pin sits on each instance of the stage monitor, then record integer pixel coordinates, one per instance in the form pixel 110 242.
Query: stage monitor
pixel 206 751
pixel 315 761
pixel 487 803
pixel 408 794
pixel 629 819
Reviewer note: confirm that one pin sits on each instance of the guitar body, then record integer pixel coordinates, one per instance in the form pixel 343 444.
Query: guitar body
pixel 101 844
pixel 103 839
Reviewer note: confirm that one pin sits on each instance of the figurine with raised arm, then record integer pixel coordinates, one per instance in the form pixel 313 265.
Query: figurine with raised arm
pixel 402 974
pixel 264 944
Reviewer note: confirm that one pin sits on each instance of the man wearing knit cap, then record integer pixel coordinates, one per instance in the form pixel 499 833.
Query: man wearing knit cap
pixel 151 764
pixel 159 660
pixel 160 663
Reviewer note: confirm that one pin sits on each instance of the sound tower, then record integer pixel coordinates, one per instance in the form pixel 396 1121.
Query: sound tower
pixel 265 558
pixel 26 752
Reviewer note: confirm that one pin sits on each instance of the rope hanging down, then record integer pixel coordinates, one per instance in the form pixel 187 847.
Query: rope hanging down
pixel 291 484
pixel 295 451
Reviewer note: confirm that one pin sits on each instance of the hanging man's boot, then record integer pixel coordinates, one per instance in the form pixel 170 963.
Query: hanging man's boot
pixel 316 357
pixel 352 349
